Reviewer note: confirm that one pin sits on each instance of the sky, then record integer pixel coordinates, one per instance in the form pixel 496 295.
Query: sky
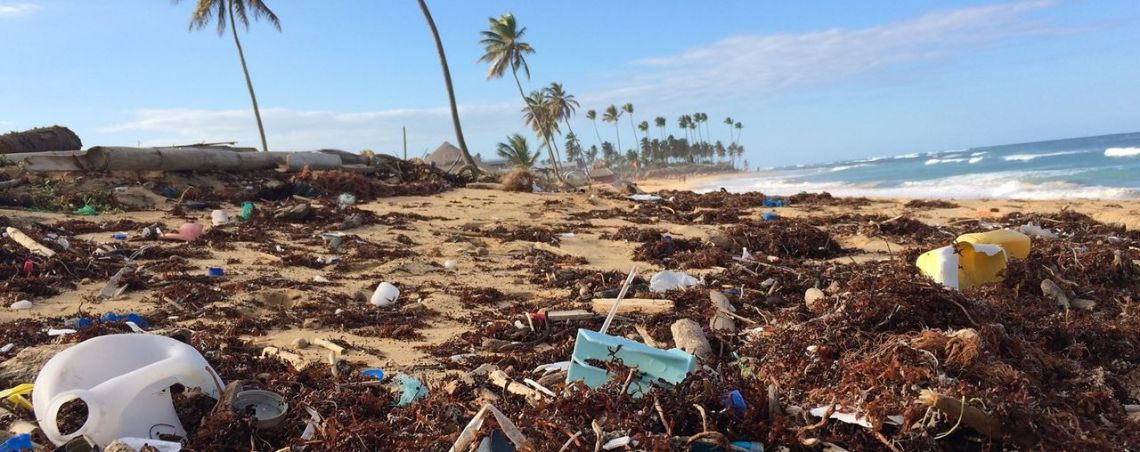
pixel 809 81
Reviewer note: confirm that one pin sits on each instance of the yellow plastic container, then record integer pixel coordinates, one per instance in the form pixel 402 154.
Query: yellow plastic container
pixel 1015 243
pixel 963 265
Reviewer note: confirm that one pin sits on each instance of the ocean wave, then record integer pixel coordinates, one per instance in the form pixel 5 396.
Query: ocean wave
pixel 994 185
pixel 974 160
pixel 1122 152
pixel 1028 157
pixel 975 154
pixel 847 167
pixel 937 161
pixel 905 156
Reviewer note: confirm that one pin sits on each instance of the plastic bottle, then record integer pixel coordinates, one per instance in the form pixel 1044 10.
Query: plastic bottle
pixel 124 379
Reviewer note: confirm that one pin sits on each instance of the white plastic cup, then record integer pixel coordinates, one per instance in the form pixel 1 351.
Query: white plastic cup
pixel 450 265
pixel 220 217
pixel 385 295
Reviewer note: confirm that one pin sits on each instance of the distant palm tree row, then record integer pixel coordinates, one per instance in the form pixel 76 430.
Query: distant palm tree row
pixel 546 109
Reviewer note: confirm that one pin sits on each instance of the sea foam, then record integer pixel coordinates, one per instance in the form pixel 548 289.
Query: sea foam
pixel 1122 152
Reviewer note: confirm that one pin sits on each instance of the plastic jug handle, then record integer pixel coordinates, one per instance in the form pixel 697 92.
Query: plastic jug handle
pixel 51 428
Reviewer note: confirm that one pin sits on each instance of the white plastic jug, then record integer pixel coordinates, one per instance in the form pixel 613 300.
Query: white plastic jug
pixel 125 381
pixel 385 294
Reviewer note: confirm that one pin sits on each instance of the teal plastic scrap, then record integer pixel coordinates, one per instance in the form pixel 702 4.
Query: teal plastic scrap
pixel 411 389
pixel 653 365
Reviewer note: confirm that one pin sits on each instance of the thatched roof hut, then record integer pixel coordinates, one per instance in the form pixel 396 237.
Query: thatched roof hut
pixel 450 158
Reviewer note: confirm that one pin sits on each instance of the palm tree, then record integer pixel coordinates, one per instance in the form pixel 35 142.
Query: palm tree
pixel 705 121
pixel 738 126
pixel 730 122
pixel 628 108
pixel 611 115
pixel 593 116
pixel 644 128
pixel 516 151
pixel 204 12
pixel 539 115
pixel 450 91
pixel 563 104
pixel 660 123
pixel 683 124
pixel 504 48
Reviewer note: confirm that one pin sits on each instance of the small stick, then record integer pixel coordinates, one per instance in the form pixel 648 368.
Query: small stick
pixel 621 294
pixel 661 413
pixel 329 345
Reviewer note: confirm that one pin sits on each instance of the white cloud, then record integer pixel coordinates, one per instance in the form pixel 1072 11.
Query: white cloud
pixel 737 70
pixel 765 64
pixel 288 129
pixel 15 9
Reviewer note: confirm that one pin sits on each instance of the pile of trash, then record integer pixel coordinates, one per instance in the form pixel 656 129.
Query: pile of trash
pixel 1011 335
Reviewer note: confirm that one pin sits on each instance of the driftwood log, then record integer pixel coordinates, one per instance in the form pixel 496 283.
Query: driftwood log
pixel 101 158
pixel 54 138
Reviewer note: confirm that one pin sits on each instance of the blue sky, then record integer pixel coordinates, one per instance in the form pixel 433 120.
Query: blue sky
pixel 811 81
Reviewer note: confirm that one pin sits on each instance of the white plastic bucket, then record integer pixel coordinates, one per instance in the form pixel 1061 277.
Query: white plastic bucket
pixel 385 295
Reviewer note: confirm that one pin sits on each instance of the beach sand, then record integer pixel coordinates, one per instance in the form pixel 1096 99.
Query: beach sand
pixel 464 225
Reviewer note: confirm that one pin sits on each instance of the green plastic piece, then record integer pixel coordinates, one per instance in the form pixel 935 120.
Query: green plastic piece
pixel 246 211
pixel 87 210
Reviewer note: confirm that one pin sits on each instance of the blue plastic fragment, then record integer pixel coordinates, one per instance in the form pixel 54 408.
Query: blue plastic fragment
pixel 735 401
pixel 82 323
pixel 774 202
pixel 411 389
pixel 112 317
pixel 374 372
pixel 654 366
pixel 769 216
pixel 19 442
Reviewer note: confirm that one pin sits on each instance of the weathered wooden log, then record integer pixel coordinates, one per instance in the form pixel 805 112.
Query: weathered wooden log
pixel 29 243
pixel 721 321
pixel 297 161
pixel 101 158
pixel 689 337
pixel 54 138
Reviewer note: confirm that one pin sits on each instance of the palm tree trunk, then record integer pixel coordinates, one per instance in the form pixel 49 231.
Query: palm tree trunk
pixel 634 128
pixel 248 81
pixel 618 132
pixel 549 151
pixel 450 90
pixel 596 133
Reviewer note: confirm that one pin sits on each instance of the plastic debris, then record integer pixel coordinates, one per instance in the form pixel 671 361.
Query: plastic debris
pixel 468 435
pixel 15 395
pixel 220 217
pixel 188 232
pixel 617 442
pixel 123 399
pixel 974 258
pixel 246 211
pixel 773 202
pixel 669 280
pixel 373 372
pixel 150 445
pixel 385 295
pixel 269 408
pixel 670 366
pixel 411 389
pixel 734 401
pixel 216 271
pixel 119 236
pixel 60 331
pixel 345 200
pixel 17 443
pixel 20 305
pixel 645 197
pixel 769 216
pixel 86 210
pixel 1034 230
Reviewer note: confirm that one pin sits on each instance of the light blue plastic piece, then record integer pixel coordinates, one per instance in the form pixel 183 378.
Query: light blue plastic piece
pixel 411 389
pixel 653 364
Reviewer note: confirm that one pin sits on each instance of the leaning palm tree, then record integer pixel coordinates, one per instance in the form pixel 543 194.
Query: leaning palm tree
pixel 237 10
pixel 470 162
pixel 738 127
pixel 504 48
pixel 628 108
pixel 563 104
pixel 516 151
pixel 660 123
pixel 593 116
pixel 611 115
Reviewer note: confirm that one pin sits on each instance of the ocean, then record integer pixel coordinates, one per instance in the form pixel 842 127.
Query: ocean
pixel 1100 167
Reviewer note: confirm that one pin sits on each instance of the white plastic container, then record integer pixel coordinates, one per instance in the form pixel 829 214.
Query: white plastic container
pixel 125 381
pixel 385 295
pixel 220 217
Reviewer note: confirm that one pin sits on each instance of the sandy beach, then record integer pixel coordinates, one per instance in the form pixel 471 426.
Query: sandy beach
pixel 470 265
